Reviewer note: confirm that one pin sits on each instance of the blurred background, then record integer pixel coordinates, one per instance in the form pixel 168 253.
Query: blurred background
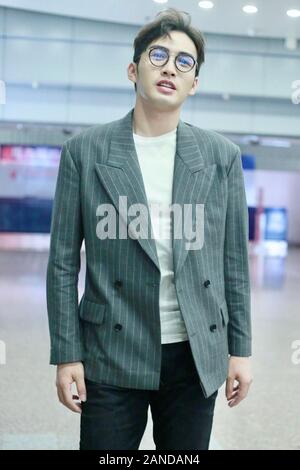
pixel 63 67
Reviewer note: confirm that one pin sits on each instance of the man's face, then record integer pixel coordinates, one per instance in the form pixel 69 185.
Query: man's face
pixel 146 75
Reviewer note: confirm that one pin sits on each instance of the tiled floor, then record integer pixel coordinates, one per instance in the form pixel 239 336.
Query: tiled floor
pixel 32 418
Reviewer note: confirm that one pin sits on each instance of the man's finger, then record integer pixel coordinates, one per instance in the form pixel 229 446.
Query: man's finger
pixel 233 395
pixel 241 394
pixel 243 389
pixel 80 384
pixel 235 401
pixel 234 392
pixel 65 392
pixel 229 387
pixel 59 393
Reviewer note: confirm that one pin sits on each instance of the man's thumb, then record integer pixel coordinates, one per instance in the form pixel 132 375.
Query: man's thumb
pixel 229 386
pixel 80 384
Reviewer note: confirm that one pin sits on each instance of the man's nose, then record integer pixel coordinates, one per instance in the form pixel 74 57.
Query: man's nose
pixel 169 69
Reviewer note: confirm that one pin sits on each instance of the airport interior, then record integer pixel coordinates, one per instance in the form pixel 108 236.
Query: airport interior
pixel 54 84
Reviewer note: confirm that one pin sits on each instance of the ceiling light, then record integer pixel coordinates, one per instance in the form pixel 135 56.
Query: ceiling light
pixel 250 9
pixel 161 1
pixel 293 13
pixel 206 5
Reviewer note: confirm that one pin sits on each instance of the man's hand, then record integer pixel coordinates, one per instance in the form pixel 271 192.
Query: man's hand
pixel 239 370
pixel 66 374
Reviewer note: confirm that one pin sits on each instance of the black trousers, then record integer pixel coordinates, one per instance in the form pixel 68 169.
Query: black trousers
pixel 115 418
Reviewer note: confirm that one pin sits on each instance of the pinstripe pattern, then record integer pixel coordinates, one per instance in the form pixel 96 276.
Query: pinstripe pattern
pixel 115 330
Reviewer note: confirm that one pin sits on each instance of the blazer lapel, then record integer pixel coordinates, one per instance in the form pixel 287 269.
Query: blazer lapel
pixel 191 184
pixel 121 175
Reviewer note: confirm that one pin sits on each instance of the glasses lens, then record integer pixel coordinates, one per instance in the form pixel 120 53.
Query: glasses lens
pixel 184 62
pixel 158 56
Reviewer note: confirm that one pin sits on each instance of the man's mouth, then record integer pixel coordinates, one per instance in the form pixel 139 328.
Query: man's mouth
pixel 166 84
pixel 166 88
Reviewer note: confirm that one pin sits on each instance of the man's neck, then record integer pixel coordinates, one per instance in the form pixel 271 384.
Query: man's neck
pixel 152 123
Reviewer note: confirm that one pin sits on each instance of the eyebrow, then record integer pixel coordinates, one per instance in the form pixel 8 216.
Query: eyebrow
pixel 164 47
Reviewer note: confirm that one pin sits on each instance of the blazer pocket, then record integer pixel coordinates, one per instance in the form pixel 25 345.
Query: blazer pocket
pixel 224 313
pixel 92 312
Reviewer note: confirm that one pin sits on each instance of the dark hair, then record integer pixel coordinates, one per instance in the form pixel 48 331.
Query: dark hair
pixel 165 21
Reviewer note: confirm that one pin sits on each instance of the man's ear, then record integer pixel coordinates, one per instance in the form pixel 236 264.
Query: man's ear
pixel 194 87
pixel 132 72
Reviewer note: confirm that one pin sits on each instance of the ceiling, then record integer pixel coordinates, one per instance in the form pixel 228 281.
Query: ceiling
pixel 226 17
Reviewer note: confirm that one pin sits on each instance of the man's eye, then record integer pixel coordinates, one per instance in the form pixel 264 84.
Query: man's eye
pixel 185 60
pixel 159 55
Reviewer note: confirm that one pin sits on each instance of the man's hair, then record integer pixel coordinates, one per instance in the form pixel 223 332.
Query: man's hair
pixel 165 21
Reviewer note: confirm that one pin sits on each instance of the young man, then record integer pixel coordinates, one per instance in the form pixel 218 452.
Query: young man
pixel 162 322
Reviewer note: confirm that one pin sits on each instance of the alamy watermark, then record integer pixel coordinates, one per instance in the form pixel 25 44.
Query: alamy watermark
pixel 2 353
pixel 2 92
pixel 296 92
pixel 296 353
pixel 187 226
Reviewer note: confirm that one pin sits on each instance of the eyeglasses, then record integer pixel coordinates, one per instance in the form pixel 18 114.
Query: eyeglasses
pixel 159 56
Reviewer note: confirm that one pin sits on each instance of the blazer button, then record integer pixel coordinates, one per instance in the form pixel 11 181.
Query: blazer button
pixel 118 327
pixel 118 283
pixel 206 283
pixel 213 328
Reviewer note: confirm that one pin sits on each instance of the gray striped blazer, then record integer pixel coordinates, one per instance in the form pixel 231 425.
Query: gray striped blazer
pixel 115 327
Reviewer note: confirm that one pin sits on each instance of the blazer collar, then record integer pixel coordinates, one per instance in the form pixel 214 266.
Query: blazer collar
pixel 120 174
pixel 123 147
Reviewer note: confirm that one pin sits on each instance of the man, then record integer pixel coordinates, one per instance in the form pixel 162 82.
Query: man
pixel 163 321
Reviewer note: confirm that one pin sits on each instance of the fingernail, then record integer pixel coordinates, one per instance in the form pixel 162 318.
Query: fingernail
pixel 83 398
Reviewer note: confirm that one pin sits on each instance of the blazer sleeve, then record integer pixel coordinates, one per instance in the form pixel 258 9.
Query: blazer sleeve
pixel 64 264
pixel 236 266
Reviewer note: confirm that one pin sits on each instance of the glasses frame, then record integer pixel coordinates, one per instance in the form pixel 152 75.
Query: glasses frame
pixel 168 58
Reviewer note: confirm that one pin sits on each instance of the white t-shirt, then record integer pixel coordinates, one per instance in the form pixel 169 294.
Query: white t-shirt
pixel 156 157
